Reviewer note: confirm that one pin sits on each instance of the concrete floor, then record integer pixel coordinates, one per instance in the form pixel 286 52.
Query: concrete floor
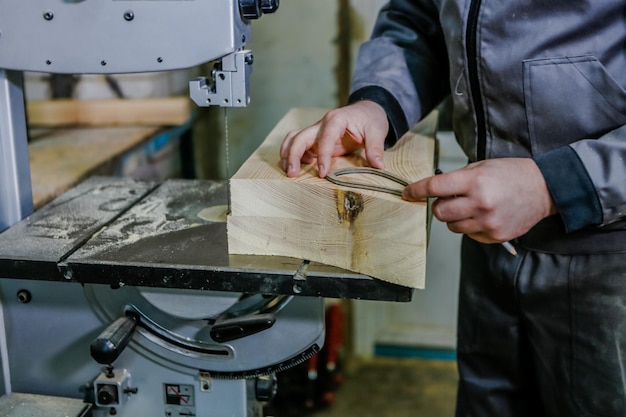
pixel 390 387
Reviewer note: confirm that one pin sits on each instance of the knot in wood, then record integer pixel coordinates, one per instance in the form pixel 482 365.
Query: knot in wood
pixel 349 205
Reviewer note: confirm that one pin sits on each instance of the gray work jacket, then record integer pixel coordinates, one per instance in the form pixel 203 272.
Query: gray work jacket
pixel 534 78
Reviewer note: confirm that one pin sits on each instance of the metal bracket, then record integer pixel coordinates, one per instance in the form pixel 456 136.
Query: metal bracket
pixel 229 83
pixel 205 381
pixel 300 276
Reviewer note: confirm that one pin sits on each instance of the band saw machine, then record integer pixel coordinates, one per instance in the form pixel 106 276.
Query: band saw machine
pixel 120 297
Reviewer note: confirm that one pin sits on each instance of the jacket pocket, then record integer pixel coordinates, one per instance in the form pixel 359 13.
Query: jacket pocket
pixel 569 99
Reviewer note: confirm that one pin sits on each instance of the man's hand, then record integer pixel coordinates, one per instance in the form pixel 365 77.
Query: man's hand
pixel 340 132
pixel 491 201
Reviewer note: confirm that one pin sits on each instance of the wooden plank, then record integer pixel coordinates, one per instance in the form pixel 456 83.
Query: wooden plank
pixel 369 232
pixel 168 111
pixel 52 112
pixel 63 158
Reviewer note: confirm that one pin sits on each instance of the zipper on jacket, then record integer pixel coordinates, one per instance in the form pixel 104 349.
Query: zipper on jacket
pixel 471 45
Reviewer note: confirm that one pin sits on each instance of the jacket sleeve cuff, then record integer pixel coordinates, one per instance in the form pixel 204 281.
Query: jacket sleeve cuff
pixel 572 190
pixel 398 124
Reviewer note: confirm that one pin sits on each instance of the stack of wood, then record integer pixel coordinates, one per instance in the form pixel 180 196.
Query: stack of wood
pixel 71 140
pixel 368 232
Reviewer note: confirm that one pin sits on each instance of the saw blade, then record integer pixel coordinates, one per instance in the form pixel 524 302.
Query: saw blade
pixel 227 156
pixel 227 142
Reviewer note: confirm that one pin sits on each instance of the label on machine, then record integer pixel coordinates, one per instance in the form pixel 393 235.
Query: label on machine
pixel 179 400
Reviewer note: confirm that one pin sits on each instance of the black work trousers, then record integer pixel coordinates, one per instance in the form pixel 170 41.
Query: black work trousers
pixel 541 334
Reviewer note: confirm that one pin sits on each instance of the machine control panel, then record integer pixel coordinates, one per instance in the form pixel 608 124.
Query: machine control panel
pixel 112 388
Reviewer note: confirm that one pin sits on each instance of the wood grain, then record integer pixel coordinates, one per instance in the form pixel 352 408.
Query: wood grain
pixel 167 111
pixel 369 232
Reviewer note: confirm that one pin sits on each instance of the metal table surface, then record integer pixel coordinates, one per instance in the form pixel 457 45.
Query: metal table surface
pixel 118 231
pixel 30 405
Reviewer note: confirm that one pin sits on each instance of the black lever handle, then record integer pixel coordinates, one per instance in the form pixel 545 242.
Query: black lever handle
pixel 225 330
pixel 111 342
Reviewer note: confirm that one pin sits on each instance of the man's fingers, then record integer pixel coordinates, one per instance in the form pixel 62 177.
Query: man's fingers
pixel 452 184
pixel 452 209
pixel 472 228
pixel 284 149
pixel 466 226
pixel 339 132
pixel 418 190
pixel 327 137
pixel 308 158
pixel 374 154
pixel 294 148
